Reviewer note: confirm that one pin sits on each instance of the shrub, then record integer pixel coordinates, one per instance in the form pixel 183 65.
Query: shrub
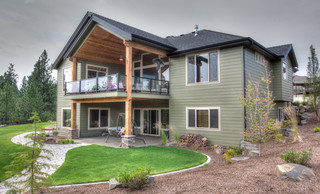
pixel 293 156
pixel 55 132
pixel 67 141
pixel 42 135
pixel 205 165
pixel 296 103
pixel 317 129
pixel 134 179
pixel 176 137
pixel 279 137
pixel 286 123
pixel 164 137
pixel 228 155
pixel 304 103
pixel 236 149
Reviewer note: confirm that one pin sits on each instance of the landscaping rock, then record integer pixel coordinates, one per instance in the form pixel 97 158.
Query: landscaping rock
pixel 294 172
pixel 303 122
pixel 254 153
pixel 151 179
pixel 239 159
pixel 183 144
pixel 113 183
pixel 172 144
pixel 219 151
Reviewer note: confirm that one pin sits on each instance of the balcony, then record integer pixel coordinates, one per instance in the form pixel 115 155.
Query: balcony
pixel 117 83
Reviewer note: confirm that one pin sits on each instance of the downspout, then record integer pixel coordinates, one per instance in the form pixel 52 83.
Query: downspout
pixel 244 80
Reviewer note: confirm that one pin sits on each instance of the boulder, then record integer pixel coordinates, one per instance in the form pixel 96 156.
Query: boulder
pixel 172 144
pixel 113 183
pixel 294 172
pixel 151 179
pixel 253 153
pixel 239 159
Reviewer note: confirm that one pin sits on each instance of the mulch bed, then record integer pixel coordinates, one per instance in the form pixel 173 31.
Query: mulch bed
pixel 256 175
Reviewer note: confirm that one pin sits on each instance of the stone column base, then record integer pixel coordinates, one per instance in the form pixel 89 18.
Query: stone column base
pixel 73 134
pixel 128 141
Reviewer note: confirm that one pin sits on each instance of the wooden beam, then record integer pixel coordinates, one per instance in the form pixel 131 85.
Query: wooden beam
pixel 74 69
pixel 128 103
pixel 101 100
pixel 144 48
pixel 73 115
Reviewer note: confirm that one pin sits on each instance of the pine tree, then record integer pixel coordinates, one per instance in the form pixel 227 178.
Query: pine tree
pixel 313 79
pixel 8 96
pixel 23 87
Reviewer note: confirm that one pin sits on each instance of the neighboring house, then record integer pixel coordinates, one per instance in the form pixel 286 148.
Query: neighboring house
pixel 299 88
pixel 196 91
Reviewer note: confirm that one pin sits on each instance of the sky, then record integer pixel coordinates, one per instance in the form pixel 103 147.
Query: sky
pixel 27 27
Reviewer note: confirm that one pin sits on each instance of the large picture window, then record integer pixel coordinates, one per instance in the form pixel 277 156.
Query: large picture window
pixel 96 71
pixel 67 77
pixel 66 117
pixel 203 118
pixel 203 68
pixel 98 118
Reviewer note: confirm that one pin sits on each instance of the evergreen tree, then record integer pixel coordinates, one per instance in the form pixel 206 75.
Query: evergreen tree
pixel 23 87
pixel 8 96
pixel 40 94
pixel 313 79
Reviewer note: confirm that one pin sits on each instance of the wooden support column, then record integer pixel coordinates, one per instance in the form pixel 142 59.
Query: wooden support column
pixel 73 104
pixel 128 102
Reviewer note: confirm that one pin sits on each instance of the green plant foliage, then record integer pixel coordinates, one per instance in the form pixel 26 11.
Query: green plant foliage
pixel 296 103
pixel 164 137
pixel 279 137
pixel 236 149
pixel 134 179
pixel 55 132
pixel 286 123
pixel 228 155
pixel 176 137
pixel 205 165
pixel 293 156
pixel 66 141
pixel 317 129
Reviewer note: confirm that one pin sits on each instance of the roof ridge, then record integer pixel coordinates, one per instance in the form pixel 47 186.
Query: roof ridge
pixel 205 30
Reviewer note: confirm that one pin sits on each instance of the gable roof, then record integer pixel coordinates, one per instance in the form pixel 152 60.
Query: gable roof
pixel 174 45
pixel 299 79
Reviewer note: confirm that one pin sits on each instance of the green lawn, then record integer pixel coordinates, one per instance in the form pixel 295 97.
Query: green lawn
pixel 7 147
pixel 100 163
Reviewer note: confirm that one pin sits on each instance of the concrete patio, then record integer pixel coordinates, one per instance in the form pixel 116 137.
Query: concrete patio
pixel 116 141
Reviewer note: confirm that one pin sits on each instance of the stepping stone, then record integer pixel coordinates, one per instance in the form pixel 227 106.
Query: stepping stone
pixel 239 159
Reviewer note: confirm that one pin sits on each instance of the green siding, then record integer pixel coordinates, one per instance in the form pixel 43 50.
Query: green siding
pixel 224 95
pixel 287 93
pixel 277 80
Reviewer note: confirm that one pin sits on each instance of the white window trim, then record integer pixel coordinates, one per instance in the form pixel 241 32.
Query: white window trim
pixel 141 119
pixel 64 108
pixel 201 128
pixel 63 83
pixel 207 82
pixel 262 57
pixel 99 66
pixel 145 67
pixel 284 63
pixel 96 108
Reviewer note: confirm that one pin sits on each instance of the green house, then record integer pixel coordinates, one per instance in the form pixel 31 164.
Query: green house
pixel 190 83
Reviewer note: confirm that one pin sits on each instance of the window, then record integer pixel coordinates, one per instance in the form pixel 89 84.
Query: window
pixel 259 58
pixel 66 117
pixel 98 118
pixel 202 68
pixel 203 118
pixel 67 77
pixel 96 71
pixel 284 71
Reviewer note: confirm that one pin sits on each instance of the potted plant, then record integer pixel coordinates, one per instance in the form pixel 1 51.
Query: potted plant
pixel 55 135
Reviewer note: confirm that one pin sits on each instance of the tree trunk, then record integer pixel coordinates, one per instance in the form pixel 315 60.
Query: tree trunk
pixel 259 149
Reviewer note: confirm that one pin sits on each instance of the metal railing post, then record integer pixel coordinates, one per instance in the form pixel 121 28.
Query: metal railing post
pixel 65 88
pixel 117 81
pixel 79 86
pixel 97 84
pixel 150 85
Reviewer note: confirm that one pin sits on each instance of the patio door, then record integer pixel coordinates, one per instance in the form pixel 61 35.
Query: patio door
pixel 151 122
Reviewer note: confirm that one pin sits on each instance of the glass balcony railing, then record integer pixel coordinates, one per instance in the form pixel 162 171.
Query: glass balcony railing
pixel 116 82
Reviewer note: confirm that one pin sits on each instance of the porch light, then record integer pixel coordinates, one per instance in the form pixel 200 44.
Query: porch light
pixel 121 58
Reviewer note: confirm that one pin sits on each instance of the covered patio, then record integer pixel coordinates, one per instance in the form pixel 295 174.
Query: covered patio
pixel 115 142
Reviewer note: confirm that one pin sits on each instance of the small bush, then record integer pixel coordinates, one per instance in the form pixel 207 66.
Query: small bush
pixel 55 132
pixel 286 123
pixel 317 129
pixel 278 137
pixel 66 141
pixel 236 149
pixel 134 179
pixel 42 135
pixel 164 137
pixel 205 165
pixel 304 103
pixel 228 155
pixel 176 137
pixel 293 156
pixel 296 103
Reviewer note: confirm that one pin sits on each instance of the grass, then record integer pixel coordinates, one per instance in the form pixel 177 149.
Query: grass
pixel 100 163
pixel 7 147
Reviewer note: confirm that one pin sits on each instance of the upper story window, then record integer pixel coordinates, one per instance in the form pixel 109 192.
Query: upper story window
pixel 259 58
pixel 284 71
pixel 202 68
pixel 67 77
pixel 96 71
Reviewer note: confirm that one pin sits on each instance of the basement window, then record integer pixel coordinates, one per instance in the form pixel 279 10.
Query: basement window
pixel 203 118
pixel 98 118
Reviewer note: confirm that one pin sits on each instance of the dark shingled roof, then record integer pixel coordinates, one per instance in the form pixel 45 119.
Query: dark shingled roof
pixel 136 32
pixel 299 79
pixel 204 38
pixel 280 50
